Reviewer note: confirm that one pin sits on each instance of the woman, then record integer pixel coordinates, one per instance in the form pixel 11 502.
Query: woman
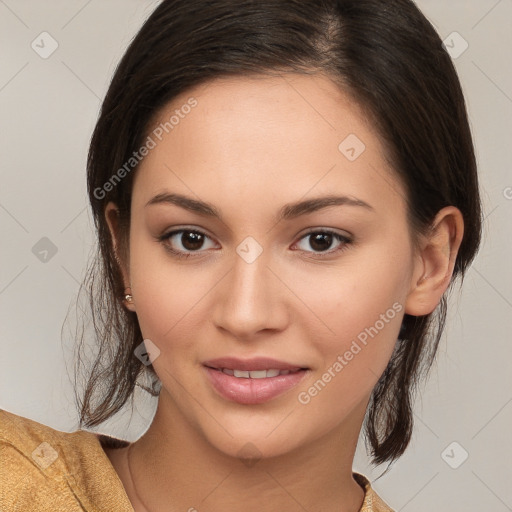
pixel 283 193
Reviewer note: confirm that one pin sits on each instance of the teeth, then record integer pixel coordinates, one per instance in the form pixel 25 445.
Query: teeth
pixel 269 373
pixel 256 374
pixel 259 374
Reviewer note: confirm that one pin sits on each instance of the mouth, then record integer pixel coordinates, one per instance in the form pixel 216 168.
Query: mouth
pixel 252 381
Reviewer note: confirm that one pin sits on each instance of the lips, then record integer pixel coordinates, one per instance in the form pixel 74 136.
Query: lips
pixel 252 381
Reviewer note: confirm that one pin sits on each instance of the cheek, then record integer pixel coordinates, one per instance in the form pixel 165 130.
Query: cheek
pixel 342 301
pixel 352 357
pixel 358 310
pixel 164 293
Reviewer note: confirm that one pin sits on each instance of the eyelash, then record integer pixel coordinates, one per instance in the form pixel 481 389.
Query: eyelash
pixel 184 255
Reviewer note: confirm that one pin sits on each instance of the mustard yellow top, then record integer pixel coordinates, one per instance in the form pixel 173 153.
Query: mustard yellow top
pixel 45 470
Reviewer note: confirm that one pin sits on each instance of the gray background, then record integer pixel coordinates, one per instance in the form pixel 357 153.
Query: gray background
pixel 49 107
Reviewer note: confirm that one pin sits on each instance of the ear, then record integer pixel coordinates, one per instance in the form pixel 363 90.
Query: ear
pixel 435 262
pixel 112 218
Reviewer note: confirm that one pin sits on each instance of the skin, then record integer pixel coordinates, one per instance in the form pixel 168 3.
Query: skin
pixel 251 145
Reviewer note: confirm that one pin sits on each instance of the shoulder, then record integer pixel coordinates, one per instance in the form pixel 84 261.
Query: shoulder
pixel 372 501
pixel 46 469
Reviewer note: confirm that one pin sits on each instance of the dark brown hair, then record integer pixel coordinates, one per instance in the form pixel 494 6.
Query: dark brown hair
pixel 386 56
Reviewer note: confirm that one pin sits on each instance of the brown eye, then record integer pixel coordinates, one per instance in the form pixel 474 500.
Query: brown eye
pixel 182 242
pixel 322 241
pixel 191 240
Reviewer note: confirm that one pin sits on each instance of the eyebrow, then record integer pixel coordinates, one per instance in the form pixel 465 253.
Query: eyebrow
pixel 287 212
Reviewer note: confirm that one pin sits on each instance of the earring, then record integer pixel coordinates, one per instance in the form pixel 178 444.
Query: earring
pixel 128 296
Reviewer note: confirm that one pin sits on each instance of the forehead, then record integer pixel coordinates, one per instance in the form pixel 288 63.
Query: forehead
pixel 265 137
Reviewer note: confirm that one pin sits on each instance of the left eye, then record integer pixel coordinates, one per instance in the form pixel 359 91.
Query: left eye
pixel 322 240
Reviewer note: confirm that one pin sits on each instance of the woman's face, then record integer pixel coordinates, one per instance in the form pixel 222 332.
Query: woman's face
pixel 322 286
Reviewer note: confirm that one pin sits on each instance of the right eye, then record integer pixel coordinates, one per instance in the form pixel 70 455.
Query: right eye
pixel 184 242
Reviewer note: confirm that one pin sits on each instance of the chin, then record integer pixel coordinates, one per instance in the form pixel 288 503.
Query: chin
pixel 252 449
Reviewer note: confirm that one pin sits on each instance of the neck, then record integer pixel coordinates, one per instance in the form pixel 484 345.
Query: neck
pixel 172 464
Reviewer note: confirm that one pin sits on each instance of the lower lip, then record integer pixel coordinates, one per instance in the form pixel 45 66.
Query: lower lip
pixel 252 391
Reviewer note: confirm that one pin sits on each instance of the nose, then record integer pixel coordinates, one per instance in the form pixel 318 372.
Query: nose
pixel 251 299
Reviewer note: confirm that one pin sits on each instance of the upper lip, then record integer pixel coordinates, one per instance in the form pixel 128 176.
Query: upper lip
pixel 253 364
